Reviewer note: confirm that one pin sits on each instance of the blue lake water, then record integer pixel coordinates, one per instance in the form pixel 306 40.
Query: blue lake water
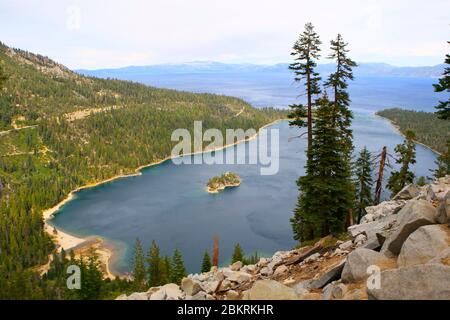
pixel 168 203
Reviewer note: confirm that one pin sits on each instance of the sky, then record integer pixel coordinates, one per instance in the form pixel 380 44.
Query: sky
pixel 94 34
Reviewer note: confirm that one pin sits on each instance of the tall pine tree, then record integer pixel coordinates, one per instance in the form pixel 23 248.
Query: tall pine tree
pixel 238 254
pixel 337 81
pixel 363 181
pixel 444 86
pixel 206 263
pixel 139 282
pixel 406 156
pixel 178 271
pixel 306 51
pixel 326 191
pixel 154 266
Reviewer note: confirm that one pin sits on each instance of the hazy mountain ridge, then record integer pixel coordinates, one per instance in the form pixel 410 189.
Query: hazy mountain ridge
pixel 211 67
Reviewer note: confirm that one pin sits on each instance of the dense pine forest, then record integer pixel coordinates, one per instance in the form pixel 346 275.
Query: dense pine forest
pixel 428 128
pixel 60 131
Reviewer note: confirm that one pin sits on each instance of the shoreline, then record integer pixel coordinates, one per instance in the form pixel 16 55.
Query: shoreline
pixel 397 128
pixel 106 252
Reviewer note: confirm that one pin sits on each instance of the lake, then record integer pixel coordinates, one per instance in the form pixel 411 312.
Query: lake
pixel 168 203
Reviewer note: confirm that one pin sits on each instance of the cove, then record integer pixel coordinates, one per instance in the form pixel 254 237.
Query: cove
pixel 168 203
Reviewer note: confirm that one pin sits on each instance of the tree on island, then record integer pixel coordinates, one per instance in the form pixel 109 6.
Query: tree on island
pixel 206 263
pixel 406 156
pixel 326 191
pixel 238 254
pixel 444 86
pixel 178 271
pixel 154 266
pixel 306 51
pixel 139 272
pixel 363 182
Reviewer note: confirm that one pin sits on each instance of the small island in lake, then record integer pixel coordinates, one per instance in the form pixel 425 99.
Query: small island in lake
pixel 219 183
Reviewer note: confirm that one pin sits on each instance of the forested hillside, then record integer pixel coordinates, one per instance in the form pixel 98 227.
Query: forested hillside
pixel 428 129
pixel 60 130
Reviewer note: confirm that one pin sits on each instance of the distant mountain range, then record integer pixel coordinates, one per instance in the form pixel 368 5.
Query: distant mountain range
pixel 209 67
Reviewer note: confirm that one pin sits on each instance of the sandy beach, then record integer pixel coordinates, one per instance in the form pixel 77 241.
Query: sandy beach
pixel 105 252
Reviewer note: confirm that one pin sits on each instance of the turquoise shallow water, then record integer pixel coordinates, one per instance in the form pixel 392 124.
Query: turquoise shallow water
pixel 168 202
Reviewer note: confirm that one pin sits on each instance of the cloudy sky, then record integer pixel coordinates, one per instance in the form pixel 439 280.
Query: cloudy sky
pixel 113 33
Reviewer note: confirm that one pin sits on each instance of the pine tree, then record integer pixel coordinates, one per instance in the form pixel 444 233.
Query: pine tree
pixel 364 182
pixel 326 191
pixel 443 163
pixel 166 270
pixel 179 271
pixel 154 266
pixel 206 263
pixel 238 254
pixel 3 76
pixel 138 267
pixel 338 82
pixel 306 51
pixel 406 156
pixel 444 85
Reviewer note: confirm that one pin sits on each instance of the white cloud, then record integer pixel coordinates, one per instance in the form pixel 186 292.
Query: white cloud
pixel 159 31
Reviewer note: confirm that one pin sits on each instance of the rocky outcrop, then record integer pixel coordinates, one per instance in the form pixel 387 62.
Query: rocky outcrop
pixel 357 263
pixel 401 250
pixel 424 244
pixel 407 193
pixel 419 282
pixel 415 213
pixel 269 290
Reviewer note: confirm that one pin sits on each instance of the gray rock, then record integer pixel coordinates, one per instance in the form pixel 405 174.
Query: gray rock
pixel 270 290
pixel 236 266
pixel 443 211
pixel 190 287
pixel 199 296
pixel 333 274
pixel 358 261
pixel 360 239
pixel 265 271
pixel 382 210
pixel 334 290
pixel 372 244
pixel 169 291
pixel 426 193
pixel 280 270
pixel 415 214
pixel 370 229
pixel 443 258
pixel 346 245
pixel 313 257
pixel 302 287
pixel 239 277
pixel 424 244
pixel 138 296
pixel 420 282
pixel 210 286
pixel 232 295
pixel 122 297
pixel 407 193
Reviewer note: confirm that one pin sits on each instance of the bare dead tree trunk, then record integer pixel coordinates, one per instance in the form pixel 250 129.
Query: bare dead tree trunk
pixel 379 185
pixel 215 259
